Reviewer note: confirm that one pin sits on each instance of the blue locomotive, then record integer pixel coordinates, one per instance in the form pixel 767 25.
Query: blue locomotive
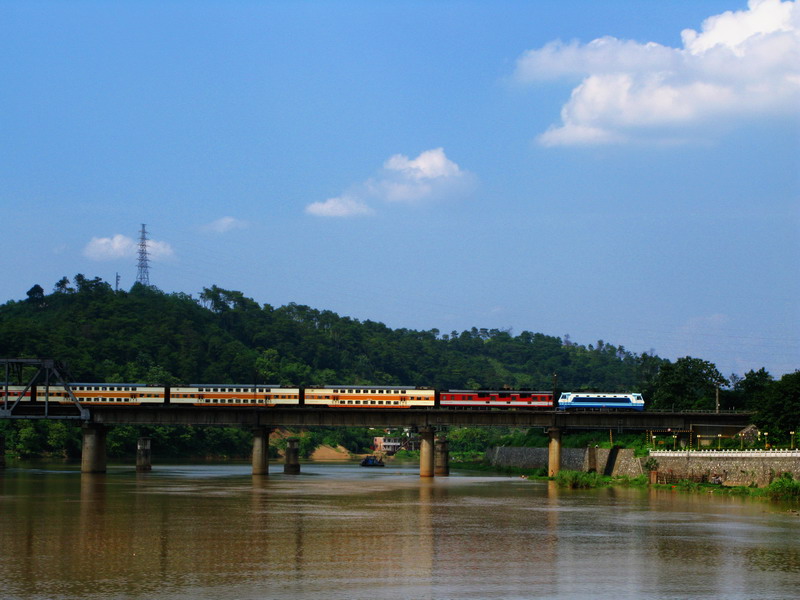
pixel 578 400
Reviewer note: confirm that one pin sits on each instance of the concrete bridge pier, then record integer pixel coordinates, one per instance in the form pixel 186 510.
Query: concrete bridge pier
pixel 591 459
pixel 554 452
pixel 143 456
pixel 291 465
pixel 261 450
pixel 93 450
pixel 426 468
pixel 441 452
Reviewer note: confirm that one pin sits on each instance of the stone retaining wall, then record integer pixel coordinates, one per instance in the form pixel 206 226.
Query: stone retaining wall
pixel 572 459
pixel 733 467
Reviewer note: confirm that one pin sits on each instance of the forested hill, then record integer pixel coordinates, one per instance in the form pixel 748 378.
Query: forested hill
pixel 144 335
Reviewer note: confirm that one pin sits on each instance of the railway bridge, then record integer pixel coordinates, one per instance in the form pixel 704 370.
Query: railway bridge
pixel 95 420
pixel 431 424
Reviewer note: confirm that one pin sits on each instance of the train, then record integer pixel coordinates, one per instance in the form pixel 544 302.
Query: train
pixel 334 396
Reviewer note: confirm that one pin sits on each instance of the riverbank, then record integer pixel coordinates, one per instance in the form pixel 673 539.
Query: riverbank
pixel 783 489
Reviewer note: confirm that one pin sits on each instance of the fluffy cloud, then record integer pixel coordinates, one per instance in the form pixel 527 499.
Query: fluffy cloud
pixel 741 63
pixel 428 177
pixel 121 246
pixel 225 224
pixel 343 206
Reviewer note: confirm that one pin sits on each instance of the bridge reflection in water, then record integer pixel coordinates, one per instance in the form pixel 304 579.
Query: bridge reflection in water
pixel 213 531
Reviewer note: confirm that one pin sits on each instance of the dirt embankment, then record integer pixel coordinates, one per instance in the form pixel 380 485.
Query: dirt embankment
pixel 329 453
pixel 321 453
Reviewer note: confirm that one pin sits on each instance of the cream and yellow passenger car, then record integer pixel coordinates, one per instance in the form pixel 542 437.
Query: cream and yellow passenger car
pixel 102 393
pixel 371 396
pixel 234 395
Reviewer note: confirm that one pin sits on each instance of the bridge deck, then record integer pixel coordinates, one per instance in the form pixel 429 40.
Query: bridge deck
pixel 308 417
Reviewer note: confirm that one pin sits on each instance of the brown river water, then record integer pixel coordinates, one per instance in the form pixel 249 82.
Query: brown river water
pixel 340 531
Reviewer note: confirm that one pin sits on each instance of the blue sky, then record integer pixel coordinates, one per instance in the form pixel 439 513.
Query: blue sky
pixel 624 171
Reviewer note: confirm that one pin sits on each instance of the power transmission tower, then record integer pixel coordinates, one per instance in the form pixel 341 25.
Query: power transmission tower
pixel 143 275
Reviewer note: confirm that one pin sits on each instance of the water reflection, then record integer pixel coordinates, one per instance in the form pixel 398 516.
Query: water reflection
pixel 338 530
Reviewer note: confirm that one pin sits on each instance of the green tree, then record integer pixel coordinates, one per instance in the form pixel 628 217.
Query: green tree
pixel 36 295
pixel 753 387
pixel 62 286
pixel 778 407
pixel 688 384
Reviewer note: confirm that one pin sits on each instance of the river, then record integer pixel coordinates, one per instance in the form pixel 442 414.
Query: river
pixel 339 531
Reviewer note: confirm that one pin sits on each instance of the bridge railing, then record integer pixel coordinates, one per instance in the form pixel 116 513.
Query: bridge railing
pixel 728 453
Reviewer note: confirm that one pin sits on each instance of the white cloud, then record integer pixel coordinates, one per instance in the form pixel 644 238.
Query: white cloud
pixel 225 224
pixel 121 246
pixel 741 63
pixel 429 177
pixel 343 206
pixel 431 164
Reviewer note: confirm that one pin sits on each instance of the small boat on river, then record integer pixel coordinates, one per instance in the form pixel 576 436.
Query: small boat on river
pixel 371 461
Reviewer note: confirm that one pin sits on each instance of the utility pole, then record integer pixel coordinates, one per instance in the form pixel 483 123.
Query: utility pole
pixel 143 274
pixel 555 390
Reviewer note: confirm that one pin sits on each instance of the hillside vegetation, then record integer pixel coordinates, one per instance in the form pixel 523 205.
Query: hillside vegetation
pixel 223 336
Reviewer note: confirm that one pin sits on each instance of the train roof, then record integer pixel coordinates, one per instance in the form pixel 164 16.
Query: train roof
pixel 499 391
pixel 238 385
pixel 368 387
pixel 600 394
pixel 102 383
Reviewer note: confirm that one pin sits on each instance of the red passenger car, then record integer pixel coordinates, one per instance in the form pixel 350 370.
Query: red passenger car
pixel 496 399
